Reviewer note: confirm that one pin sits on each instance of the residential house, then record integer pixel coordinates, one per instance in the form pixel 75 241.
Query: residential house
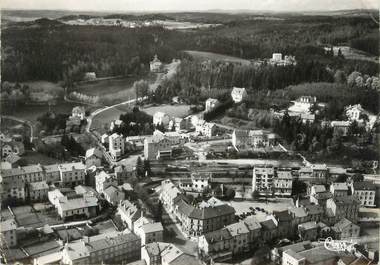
pixel 89 76
pixel 151 232
pixel 320 173
pixel 344 207
pixel 299 216
pixel 12 147
pixel 346 229
pixel 314 212
pixel 8 234
pixel 78 112
pixel 308 231
pixel 216 244
pixel 302 104
pixel 268 230
pixel 321 198
pixel 113 194
pixel 340 127
pixel 93 157
pixel 124 172
pixel 240 235
pixel 52 174
pixel 253 138
pixel 207 129
pixel 238 94
pixel 13 184
pixel 109 248
pixel 129 213
pixel 168 193
pixel 314 189
pixel 155 65
pixel 72 174
pixel 210 104
pixel 115 124
pixel 103 181
pixel 203 218
pixel 12 161
pixel 156 147
pixel 182 124
pixel 38 191
pixel 365 191
pixel 167 254
pixel 315 256
pixel 307 118
pixel 277 252
pixel 161 118
pixel 151 253
pixel 197 183
pixel 81 206
pixel 339 189
pixel 116 144
pixel 360 115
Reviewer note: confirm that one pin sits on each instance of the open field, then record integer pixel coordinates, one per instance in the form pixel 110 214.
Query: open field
pixel 171 110
pixel 32 112
pixel 107 116
pixel 216 57
pixel 354 54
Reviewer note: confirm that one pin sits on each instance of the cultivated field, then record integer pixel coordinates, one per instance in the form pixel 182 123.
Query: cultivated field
pixel 216 57
pixel 354 54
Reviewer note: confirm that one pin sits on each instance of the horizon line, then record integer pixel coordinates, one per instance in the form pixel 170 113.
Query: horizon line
pixel 191 11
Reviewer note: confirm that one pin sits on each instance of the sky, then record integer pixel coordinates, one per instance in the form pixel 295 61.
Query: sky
pixel 190 5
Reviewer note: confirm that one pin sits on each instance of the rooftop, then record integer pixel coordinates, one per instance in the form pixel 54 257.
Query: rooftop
pixel 41 185
pixel 340 186
pixel 152 227
pixel 364 185
pixel 71 166
pixel 8 225
pixel 308 225
pixel 78 203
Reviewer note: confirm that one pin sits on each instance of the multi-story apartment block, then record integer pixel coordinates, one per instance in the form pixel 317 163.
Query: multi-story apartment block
pixel 38 191
pixel 116 145
pixel 72 174
pixel 204 218
pixel 8 235
pixel 344 207
pixel 109 248
pixel 169 192
pixel 262 180
pixel 52 174
pixel 283 182
pixel 365 191
pixel 339 189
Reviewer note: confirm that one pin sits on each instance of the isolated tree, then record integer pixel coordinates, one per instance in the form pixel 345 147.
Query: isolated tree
pixel 139 167
pixel 340 77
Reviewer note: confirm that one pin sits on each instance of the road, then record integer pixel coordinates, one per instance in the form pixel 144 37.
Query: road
pixel 28 123
pixel 171 70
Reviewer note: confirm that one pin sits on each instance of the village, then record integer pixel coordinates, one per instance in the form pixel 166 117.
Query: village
pixel 186 194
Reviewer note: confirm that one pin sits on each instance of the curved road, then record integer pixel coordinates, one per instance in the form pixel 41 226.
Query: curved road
pixel 28 123
pixel 170 71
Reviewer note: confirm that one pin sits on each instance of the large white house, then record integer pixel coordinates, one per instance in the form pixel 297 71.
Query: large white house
pixel 238 94
pixel 155 65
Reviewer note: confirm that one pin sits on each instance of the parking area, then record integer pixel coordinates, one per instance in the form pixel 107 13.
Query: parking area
pixel 261 208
